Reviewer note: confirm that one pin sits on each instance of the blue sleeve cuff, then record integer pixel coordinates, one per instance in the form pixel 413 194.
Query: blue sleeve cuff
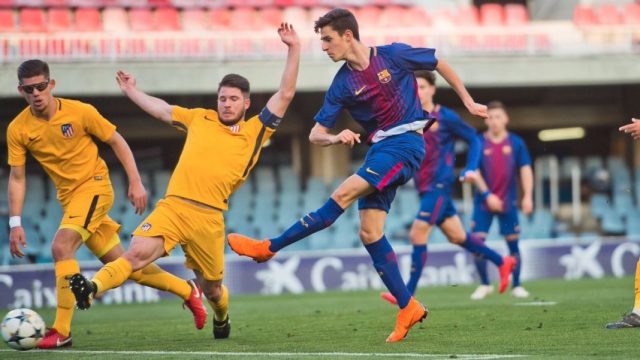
pixel 269 119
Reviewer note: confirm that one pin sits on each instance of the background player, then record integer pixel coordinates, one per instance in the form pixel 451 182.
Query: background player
pixel 435 179
pixel 198 191
pixel 59 135
pixel 505 158
pixel 377 86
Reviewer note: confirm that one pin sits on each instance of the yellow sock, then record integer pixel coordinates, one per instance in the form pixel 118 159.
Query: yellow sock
pixel 636 306
pixel 112 274
pixel 66 300
pixel 153 276
pixel 221 308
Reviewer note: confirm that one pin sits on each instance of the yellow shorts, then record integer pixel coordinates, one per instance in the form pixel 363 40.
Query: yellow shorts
pixel 198 230
pixel 87 212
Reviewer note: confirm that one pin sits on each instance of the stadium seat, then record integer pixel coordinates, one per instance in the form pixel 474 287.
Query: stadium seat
pixel 114 19
pixel 600 204
pixel 298 17
pixel 584 15
pixel 32 20
pixel 492 14
pixel 612 224
pixel 140 19
pixel 166 19
pixel 244 18
pixel 88 19
pixel 416 17
pixel 7 21
pixel 515 14
pixel 368 16
pixel 467 16
pixel 271 17
pixel 219 18
pixel 631 14
pixel 194 20
pixel 59 20
pixel 607 14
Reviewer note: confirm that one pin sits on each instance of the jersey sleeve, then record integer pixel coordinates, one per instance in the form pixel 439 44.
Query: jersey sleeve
pixel 97 125
pixel 331 107
pixel 412 58
pixel 258 129
pixel 268 119
pixel 464 131
pixel 522 153
pixel 17 151
pixel 183 117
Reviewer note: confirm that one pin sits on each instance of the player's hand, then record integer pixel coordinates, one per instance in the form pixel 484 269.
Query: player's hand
pixel 468 176
pixel 527 205
pixel 125 80
pixel 633 129
pixel 137 196
pixel 494 203
pixel 478 110
pixel 17 239
pixel 288 35
pixel 346 137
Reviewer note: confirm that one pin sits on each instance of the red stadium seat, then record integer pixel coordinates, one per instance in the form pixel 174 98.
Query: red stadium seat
pixel 166 19
pixel 492 14
pixel 244 18
pixel 32 20
pixel 114 19
pixel 607 14
pixel 219 19
pixel 298 17
pixel 140 19
pixel 7 21
pixel 631 14
pixel 7 4
pixel 391 15
pixel 467 16
pixel 584 15
pixel 271 17
pixel 88 19
pixel 516 14
pixel 59 19
pixel 194 20
pixel 368 16
pixel 416 17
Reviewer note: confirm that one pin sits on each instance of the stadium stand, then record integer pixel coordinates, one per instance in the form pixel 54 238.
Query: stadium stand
pixel 88 20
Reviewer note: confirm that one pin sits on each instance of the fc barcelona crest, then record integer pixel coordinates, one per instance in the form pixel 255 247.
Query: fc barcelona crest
pixel 384 76
pixel 67 130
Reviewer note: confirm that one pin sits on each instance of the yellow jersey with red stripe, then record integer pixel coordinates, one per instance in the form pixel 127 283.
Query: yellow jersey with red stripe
pixel 63 145
pixel 216 158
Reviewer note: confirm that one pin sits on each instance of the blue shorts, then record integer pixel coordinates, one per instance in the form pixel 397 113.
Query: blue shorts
pixel 389 164
pixel 482 219
pixel 436 206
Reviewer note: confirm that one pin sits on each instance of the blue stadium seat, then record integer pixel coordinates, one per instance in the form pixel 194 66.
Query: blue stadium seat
pixel 160 180
pixel 289 180
pixel 633 223
pixel 600 204
pixel 612 224
pixel 265 180
pixel 592 163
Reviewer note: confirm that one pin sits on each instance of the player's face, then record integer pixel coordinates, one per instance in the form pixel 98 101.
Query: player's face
pixel 232 105
pixel 497 120
pixel 333 44
pixel 425 91
pixel 37 92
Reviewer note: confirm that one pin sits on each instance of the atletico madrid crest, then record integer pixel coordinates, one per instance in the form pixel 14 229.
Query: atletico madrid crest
pixel 67 130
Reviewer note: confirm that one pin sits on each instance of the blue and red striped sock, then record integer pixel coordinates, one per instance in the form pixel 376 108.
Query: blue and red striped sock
pixel 418 259
pixel 386 263
pixel 514 250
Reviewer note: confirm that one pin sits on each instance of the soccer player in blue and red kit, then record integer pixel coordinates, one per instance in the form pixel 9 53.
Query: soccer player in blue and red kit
pixel 434 182
pixel 378 88
pixel 505 158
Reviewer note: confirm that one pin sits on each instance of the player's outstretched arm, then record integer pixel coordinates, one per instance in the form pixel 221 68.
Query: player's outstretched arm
pixel 447 72
pixel 154 106
pixel 320 135
pixel 526 177
pixel 137 194
pixel 279 102
pixel 632 129
pixel 16 190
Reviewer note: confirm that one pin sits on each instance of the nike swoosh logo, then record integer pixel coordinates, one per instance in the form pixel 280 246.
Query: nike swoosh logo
pixel 371 171
pixel 73 216
pixel 34 139
pixel 360 90
pixel 62 343
pixel 207 118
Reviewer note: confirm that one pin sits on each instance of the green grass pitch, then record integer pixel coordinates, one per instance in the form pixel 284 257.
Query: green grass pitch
pixel 330 325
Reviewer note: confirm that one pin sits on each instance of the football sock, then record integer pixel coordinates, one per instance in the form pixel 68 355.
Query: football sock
pixel 153 276
pixel 112 275
pixel 418 259
pixel 476 245
pixel 66 301
pixel 386 263
pixel 636 306
pixel 220 308
pixel 481 267
pixel 308 224
pixel 515 252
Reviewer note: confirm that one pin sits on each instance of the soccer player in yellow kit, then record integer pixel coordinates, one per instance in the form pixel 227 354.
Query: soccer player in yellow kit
pixel 220 150
pixel 632 319
pixel 58 134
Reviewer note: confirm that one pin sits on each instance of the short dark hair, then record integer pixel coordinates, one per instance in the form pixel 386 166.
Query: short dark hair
pixel 235 81
pixel 340 20
pixel 427 75
pixel 31 68
pixel 496 105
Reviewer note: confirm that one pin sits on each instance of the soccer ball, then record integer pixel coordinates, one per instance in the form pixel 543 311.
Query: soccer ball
pixel 22 329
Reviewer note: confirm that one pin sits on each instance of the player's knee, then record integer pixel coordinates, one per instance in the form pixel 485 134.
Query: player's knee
pixel 343 196
pixel 457 238
pixel 368 236
pixel 63 250
pixel 212 290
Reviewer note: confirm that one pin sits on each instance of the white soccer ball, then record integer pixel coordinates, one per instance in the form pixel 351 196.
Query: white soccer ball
pixel 22 329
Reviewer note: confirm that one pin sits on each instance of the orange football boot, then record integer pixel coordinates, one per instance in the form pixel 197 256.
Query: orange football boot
pixel 246 246
pixel 411 314
pixel 508 263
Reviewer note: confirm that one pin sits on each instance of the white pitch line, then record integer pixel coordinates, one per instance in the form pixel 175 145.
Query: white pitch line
pixel 277 354
pixel 536 303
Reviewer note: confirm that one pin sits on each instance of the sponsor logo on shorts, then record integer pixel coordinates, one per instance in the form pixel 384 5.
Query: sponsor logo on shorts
pixel 145 227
